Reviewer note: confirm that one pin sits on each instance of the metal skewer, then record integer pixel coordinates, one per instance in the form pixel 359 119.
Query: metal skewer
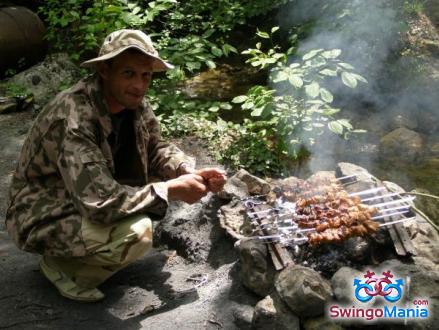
pixel 396 201
pixel 379 197
pixel 365 192
pixel 307 230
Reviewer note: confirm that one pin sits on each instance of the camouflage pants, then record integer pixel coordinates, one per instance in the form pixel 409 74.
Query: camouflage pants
pixel 110 248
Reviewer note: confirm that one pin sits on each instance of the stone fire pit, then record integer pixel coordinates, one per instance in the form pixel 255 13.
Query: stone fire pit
pixel 299 294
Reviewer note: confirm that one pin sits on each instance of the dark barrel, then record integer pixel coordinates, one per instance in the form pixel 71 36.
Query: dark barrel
pixel 21 38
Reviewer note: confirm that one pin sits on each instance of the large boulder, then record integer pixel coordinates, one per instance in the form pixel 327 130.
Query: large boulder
pixel 257 271
pixel 402 144
pixel 304 290
pixel 342 283
pixel 48 78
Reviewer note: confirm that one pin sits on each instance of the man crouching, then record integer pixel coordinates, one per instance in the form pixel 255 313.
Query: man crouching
pixel 83 191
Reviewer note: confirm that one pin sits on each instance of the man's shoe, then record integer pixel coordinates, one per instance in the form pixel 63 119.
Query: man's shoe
pixel 67 287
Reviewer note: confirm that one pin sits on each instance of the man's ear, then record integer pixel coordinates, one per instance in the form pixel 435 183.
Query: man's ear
pixel 103 69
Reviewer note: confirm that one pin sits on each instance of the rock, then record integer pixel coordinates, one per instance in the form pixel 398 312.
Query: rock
pixel 242 316
pixel 425 239
pixel 321 176
pixel 303 290
pixel 321 323
pixel 255 185
pixel 272 313
pixel 347 169
pixel 403 121
pixel 393 187
pixel 234 188
pixel 242 184
pixel 45 79
pixel 7 104
pixel 362 180
pixel 257 272
pixel 342 283
pixel 402 144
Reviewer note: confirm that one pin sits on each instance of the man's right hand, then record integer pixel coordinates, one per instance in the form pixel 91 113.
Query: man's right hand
pixel 188 188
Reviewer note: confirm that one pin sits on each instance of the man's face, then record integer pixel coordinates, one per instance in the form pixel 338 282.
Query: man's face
pixel 126 80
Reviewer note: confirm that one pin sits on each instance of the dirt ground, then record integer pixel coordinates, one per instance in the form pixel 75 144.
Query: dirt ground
pixel 161 291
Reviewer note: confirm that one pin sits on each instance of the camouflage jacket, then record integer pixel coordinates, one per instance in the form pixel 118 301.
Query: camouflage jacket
pixel 66 172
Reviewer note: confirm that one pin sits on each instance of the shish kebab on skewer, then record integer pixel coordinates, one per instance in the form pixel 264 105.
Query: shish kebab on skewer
pixel 334 217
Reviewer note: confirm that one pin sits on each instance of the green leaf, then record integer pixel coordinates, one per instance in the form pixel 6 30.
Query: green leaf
pixel 346 66
pixel 312 89
pixel 274 29
pixel 328 72
pixel 216 51
pixel 247 105
pixel 193 65
pixel 211 64
pixel 345 123
pixel 208 33
pixel 280 76
pixel 333 53
pixel 326 95
pixel 311 54
pixel 296 81
pixel 317 61
pixel 257 112
pixel 136 10
pixel 240 99
pixel 359 131
pixel 330 112
pixel 348 79
pixel 227 49
pixel 360 78
pixel 335 127
pixel 213 108
pixel 225 106
pixel 264 35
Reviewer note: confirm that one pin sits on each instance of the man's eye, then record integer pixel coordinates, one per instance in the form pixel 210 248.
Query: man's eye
pixel 128 73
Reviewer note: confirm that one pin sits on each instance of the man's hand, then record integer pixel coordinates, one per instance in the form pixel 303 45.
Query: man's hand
pixel 214 177
pixel 188 188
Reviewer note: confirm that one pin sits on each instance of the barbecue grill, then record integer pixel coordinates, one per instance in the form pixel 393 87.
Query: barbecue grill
pixel 275 221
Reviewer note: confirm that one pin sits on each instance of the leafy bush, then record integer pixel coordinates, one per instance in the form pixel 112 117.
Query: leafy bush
pixel 284 120
pixel 191 34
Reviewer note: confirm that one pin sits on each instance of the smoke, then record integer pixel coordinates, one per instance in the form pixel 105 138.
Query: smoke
pixel 370 35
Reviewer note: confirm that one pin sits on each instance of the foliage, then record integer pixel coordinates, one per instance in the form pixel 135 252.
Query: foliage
pixel 191 34
pixel 292 115
pixel 413 6
pixel 15 90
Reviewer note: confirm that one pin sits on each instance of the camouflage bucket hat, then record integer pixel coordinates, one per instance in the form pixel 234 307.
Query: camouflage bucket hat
pixel 119 41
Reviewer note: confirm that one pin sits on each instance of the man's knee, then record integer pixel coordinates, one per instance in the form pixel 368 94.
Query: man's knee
pixel 127 241
pixel 137 238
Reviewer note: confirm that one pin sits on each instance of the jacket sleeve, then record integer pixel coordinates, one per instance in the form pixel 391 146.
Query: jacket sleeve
pixel 164 158
pixel 95 193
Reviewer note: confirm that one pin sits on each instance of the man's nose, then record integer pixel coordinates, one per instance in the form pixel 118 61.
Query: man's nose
pixel 140 83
